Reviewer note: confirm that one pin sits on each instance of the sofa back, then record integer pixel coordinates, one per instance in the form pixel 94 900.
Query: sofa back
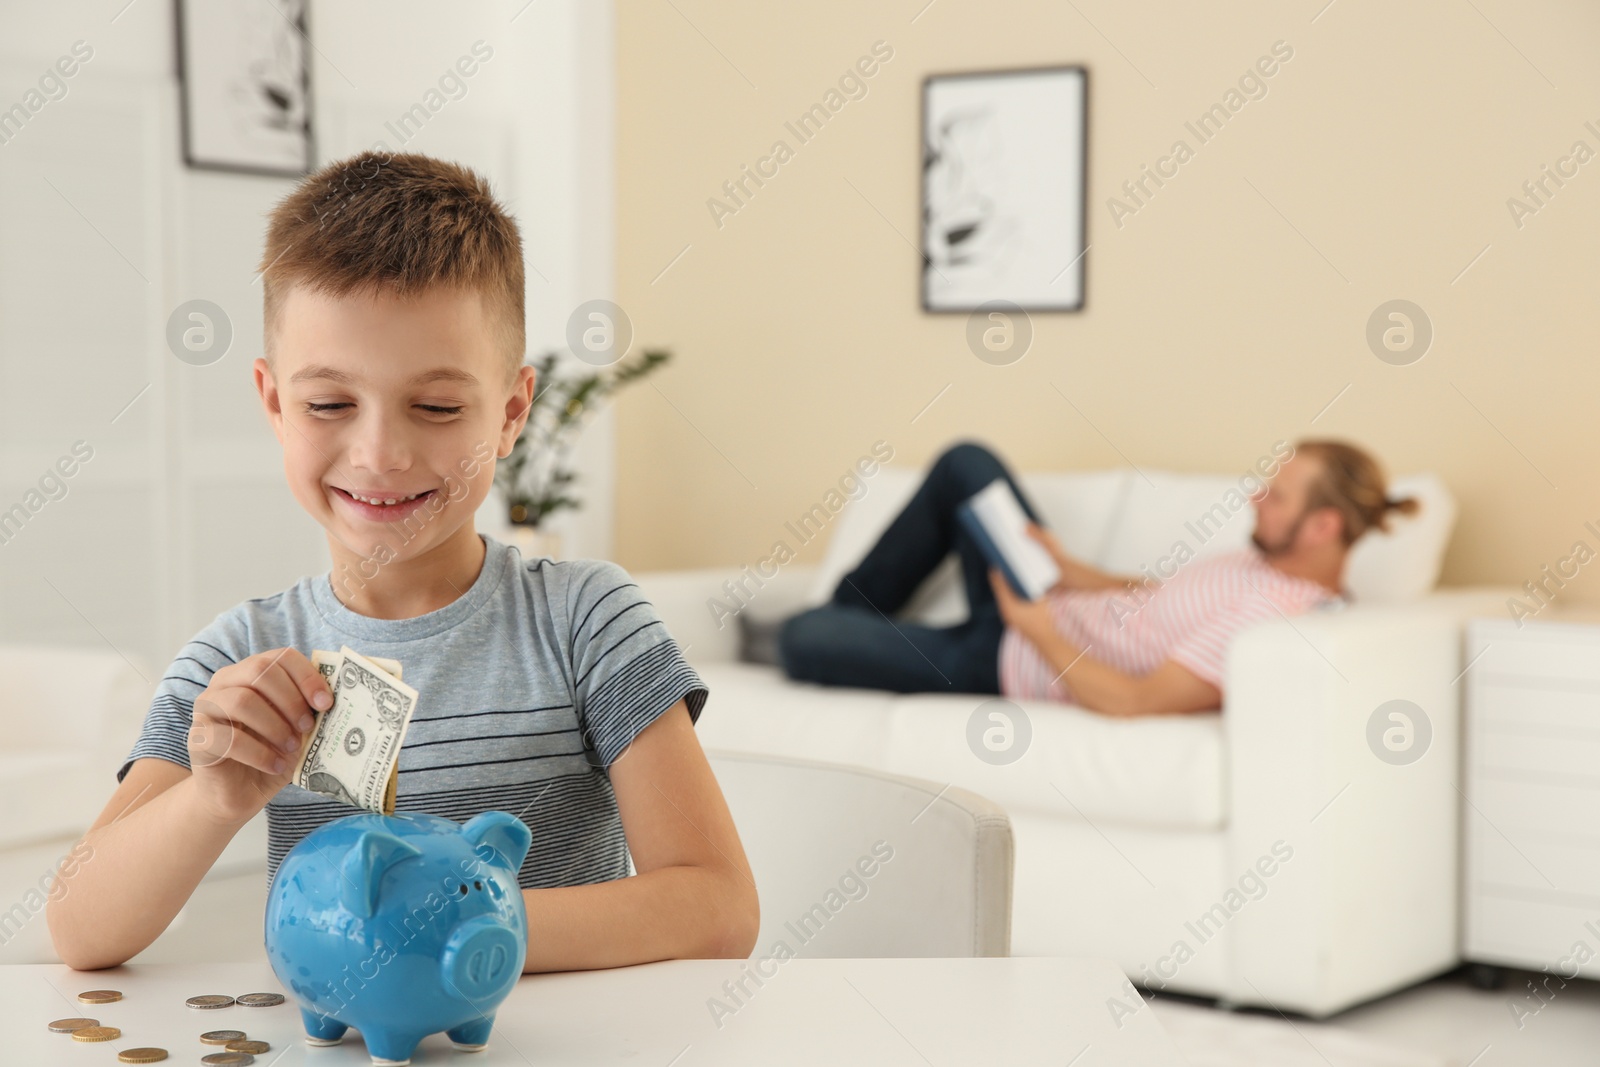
pixel 1126 520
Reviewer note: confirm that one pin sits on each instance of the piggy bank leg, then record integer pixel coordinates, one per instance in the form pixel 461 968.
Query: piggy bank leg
pixel 390 1049
pixel 473 1036
pixel 322 1029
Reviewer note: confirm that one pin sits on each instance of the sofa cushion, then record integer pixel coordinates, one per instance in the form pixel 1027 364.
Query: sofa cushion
pixel 756 708
pixel 1161 771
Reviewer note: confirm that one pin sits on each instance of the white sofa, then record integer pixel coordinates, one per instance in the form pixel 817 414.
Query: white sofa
pixel 69 716
pixel 1130 834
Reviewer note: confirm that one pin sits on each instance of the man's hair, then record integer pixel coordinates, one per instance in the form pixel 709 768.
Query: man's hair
pixel 1351 482
pixel 398 223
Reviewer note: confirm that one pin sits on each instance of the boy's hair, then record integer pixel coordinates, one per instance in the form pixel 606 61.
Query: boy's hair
pixel 401 223
pixel 1352 483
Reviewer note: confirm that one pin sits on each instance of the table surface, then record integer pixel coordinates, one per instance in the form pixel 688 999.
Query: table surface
pixel 830 1012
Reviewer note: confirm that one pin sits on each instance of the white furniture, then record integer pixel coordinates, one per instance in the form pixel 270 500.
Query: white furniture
pixel 1532 813
pixel 69 716
pixel 1002 1012
pixel 1133 837
pixel 851 862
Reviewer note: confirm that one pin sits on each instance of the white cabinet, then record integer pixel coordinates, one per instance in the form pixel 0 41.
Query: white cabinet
pixel 1531 821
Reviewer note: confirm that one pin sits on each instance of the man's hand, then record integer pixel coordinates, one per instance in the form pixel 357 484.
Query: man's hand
pixel 1029 617
pixel 248 725
pixel 1064 563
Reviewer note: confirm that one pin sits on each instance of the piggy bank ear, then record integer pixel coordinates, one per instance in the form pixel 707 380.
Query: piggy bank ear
pixel 373 853
pixel 499 838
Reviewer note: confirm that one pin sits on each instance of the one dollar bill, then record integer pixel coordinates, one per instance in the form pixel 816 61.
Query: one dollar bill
pixel 353 752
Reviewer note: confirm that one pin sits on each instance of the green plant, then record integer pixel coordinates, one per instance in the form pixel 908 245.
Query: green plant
pixel 535 478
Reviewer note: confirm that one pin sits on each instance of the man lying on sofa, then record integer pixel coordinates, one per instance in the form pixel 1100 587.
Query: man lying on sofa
pixel 1115 645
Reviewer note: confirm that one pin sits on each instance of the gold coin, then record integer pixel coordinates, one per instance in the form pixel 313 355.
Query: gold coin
pixel 99 996
pixel 261 1000
pixel 142 1055
pixel 66 1026
pixel 255 1048
pixel 228 1059
pixel 96 1033
pixel 209 1000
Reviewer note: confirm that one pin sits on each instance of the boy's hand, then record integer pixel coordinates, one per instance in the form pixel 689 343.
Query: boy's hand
pixel 249 723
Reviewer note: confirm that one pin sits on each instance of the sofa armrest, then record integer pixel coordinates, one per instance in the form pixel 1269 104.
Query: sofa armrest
pixel 1368 900
pixel 700 606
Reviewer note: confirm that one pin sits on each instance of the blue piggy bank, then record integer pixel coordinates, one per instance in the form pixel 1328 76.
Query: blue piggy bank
pixel 401 926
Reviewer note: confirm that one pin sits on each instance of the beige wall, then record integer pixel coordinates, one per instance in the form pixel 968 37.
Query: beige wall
pixel 1216 322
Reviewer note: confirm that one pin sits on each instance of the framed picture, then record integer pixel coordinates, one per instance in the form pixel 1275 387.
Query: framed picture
pixel 245 85
pixel 1003 189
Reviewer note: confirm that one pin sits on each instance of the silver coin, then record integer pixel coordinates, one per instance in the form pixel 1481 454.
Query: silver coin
pixel 261 1000
pixel 222 1037
pixel 209 1000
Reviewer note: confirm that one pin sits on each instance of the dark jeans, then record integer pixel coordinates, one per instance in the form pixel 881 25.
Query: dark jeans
pixel 854 640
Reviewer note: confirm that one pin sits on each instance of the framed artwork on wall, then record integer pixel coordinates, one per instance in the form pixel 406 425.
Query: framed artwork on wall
pixel 1004 181
pixel 245 85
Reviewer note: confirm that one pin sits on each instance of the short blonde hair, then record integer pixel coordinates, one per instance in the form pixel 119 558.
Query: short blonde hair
pixel 1352 483
pixel 400 223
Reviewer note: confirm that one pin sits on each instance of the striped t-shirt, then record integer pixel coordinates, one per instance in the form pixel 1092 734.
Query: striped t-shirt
pixel 1189 618
pixel 530 685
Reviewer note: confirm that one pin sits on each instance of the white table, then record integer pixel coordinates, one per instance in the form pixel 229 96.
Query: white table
pixel 820 1013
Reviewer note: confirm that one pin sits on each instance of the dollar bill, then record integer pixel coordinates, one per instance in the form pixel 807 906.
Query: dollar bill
pixel 353 752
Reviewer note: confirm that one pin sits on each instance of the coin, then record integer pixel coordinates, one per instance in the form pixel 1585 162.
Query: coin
pixel 261 1000
pixel 222 1037
pixel 226 1058
pixel 209 1000
pixel 96 1033
pixel 255 1048
pixel 66 1026
pixel 99 996
pixel 142 1055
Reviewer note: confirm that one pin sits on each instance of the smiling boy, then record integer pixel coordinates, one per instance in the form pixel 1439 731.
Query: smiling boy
pixel 393 379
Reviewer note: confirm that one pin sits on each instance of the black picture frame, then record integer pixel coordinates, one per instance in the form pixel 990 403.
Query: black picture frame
pixel 204 97
pixel 1078 255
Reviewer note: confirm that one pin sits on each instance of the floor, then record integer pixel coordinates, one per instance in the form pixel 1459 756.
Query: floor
pixel 1471 1027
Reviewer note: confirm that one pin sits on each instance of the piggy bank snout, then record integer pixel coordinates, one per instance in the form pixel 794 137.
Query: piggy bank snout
pixel 482 959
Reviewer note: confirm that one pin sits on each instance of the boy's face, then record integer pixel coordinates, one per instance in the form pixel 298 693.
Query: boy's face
pixel 391 413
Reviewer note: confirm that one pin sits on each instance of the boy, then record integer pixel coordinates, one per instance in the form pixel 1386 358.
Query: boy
pixel 393 378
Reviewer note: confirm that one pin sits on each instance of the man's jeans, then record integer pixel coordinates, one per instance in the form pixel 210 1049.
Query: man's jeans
pixel 855 640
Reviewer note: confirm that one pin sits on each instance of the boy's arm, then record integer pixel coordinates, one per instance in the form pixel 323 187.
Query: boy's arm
pixel 693 896
pixel 144 856
pixel 166 824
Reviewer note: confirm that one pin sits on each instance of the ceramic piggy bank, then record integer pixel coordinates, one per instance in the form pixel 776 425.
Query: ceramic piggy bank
pixel 401 926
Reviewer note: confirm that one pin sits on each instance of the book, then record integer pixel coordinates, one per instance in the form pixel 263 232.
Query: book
pixel 995 519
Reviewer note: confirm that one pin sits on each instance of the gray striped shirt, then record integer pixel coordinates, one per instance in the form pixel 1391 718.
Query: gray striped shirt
pixel 530 686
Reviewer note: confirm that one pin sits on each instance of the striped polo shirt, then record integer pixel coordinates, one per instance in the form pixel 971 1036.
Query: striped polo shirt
pixel 1189 618
pixel 530 685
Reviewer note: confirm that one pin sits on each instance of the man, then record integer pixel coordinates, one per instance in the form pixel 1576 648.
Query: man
pixel 1115 645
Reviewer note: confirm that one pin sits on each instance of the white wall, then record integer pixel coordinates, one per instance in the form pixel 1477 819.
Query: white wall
pixel 182 511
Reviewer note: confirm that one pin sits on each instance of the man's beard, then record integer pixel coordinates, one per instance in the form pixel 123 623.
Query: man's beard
pixel 1284 544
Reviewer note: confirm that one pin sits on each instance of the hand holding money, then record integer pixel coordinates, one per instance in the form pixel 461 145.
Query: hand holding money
pixel 247 725
pixel 353 752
